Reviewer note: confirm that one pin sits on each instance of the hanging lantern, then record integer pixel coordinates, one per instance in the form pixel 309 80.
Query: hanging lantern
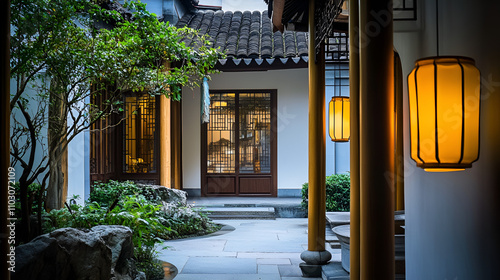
pixel 444 97
pixel 339 119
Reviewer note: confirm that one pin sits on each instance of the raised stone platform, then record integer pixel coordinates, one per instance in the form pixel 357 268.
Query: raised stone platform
pixel 283 207
pixel 238 213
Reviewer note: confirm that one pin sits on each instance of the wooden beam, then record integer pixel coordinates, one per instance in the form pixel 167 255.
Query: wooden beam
pixel 277 15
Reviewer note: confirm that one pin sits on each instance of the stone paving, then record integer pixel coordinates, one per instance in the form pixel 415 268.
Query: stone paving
pixel 244 250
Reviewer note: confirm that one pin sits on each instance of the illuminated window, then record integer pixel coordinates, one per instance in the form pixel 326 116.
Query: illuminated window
pixel 139 133
pixel 252 146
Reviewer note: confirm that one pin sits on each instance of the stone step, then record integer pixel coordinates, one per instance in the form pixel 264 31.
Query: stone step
pixel 237 213
pixel 334 244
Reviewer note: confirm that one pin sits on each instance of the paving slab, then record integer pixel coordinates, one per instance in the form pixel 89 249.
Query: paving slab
pixel 229 277
pixel 273 261
pixel 219 265
pixel 299 278
pixel 289 271
pixel 246 250
pixel 268 269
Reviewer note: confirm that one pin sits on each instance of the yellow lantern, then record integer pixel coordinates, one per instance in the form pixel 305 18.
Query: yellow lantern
pixel 444 97
pixel 339 114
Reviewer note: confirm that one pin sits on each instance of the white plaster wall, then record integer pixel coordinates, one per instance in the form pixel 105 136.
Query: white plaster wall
pixel 292 88
pixel 17 115
pixel 453 219
pixel 77 170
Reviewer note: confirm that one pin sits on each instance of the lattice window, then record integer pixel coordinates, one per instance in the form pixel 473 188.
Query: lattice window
pixel 102 138
pixel 139 134
pixel 239 133
pixel 405 10
pixel 337 48
pixel 220 132
pixel 255 132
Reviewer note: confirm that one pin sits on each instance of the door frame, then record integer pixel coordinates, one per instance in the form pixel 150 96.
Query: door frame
pixel 236 175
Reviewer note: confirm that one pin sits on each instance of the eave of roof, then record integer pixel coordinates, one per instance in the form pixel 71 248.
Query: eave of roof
pixel 248 41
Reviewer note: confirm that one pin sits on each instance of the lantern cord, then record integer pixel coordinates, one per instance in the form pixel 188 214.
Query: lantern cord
pixel 437 27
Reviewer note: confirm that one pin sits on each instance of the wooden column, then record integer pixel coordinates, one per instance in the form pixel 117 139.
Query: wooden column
pixel 398 125
pixel 176 143
pixel 317 132
pixel 354 140
pixel 376 140
pixel 165 149
pixel 316 255
pixel 4 135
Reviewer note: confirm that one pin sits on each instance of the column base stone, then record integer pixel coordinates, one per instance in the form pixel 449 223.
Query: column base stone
pixel 313 260
pixel 310 270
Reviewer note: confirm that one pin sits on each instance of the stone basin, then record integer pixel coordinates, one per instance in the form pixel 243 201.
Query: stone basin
pixel 343 233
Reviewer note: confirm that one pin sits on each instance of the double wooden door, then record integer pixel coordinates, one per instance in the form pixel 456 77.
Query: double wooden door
pixel 239 144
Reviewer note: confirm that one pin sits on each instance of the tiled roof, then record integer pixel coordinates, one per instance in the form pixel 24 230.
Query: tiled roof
pixel 248 37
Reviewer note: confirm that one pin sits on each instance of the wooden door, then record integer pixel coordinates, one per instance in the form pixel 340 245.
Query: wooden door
pixel 239 144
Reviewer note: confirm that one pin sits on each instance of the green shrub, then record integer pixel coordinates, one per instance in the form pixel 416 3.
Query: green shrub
pixel 124 203
pixel 337 193
pixel 106 193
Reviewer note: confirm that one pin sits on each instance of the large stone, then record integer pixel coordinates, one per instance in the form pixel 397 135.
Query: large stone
pixel 90 258
pixel 168 196
pixel 104 252
pixel 119 240
pixel 42 258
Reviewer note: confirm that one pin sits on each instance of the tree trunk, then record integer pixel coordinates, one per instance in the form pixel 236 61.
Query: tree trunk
pixel 58 181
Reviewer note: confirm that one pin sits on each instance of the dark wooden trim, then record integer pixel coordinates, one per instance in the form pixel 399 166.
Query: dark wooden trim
pixel 156 150
pixel 274 140
pixel 203 150
pixel 176 143
pixel 237 143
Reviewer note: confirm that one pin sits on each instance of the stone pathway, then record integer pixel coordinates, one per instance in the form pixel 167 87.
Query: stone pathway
pixel 243 250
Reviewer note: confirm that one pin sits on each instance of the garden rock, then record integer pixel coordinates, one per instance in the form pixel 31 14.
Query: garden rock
pixel 100 253
pixel 42 258
pixel 119 240
pixel 168 196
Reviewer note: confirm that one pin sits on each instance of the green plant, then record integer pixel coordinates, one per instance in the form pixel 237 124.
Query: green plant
pixel 124 203
pixel 134 212
pixel 337 193
pixel 106 193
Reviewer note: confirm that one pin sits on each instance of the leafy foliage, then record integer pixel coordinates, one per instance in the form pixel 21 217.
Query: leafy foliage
pixel 124 203
pixel 70 52
pixel 337 193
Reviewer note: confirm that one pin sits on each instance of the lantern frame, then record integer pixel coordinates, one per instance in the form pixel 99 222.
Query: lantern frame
pixel 442 113
pixel 345 132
